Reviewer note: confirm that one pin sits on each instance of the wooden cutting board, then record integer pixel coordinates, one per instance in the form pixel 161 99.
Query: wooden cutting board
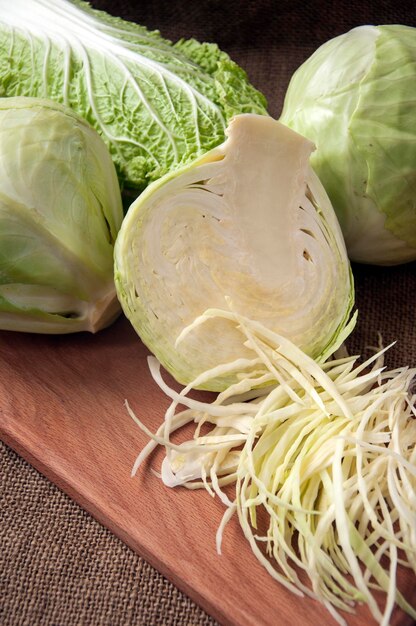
pixel 62 408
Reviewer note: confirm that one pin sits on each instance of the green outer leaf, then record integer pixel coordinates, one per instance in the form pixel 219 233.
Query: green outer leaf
pixel 33 319
pixel 384 130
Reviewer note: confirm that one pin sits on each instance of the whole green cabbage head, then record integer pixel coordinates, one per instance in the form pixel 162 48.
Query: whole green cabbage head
pixel 60 211
pixel 355 98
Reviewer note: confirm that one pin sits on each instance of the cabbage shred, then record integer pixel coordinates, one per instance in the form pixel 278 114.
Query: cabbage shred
pixel 322 457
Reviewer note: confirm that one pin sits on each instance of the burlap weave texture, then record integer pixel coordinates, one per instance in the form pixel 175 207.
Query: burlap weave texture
pixel 58 567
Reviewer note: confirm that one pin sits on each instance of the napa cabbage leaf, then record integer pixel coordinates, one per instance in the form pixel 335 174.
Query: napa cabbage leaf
pixel 156 105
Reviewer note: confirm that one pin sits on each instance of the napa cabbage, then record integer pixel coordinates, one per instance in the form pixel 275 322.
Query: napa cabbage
pixel 156 105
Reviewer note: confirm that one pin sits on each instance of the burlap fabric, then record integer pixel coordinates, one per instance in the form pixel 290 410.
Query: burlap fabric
pixel 58 567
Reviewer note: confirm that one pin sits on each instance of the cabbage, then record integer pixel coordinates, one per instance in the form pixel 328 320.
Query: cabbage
pixel 248 226
pixel 355 99
pixel 157 106
pixel 323 466
pixel 60 211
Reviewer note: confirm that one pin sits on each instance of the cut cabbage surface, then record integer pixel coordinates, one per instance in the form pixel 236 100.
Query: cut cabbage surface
pixel 248 225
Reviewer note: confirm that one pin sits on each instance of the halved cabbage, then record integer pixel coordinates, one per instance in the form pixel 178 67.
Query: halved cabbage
pixel 248 226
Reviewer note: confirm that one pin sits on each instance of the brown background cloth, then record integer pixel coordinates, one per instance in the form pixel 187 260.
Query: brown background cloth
pixel 59 567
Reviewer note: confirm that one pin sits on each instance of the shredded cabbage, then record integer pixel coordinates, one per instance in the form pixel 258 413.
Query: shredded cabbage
pixel 323 460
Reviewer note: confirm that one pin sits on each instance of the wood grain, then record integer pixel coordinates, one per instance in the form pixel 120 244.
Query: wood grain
pixel 62 408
